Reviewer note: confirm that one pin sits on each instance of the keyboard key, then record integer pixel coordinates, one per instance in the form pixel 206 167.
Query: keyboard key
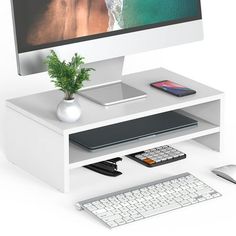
pixel 132 207
pixel 160 210
pixel 205 191
pixel 128 219
pixel 124 209
pixel 116 211
pixel 91 208
pixel 111 218
pixel 148 208
pixel 133 202
pixel 125 204
pixel 99 211
pixel 140 210
pixel 137 216
pixel 117 206
pixel 120 221
pixel 109 208
pixel 193 200
pixel 216 195
pixel 105 214
pixel 112 224
pixel 201 199
pixel 185 203
pixel 133 212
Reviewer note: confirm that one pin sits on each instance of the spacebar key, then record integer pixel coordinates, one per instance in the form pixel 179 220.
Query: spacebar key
pixel 161 210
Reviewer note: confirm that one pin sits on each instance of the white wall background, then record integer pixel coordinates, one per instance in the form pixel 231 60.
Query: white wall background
pixel 211 61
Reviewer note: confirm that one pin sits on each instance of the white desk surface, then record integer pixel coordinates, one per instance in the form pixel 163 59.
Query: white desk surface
pixel 42 107
pixel 33 206
pixel 29 204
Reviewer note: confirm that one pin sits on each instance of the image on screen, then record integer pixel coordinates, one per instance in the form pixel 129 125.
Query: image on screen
pixel 45 23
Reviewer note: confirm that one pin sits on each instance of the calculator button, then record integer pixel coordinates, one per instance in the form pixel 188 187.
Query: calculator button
pixel 149 161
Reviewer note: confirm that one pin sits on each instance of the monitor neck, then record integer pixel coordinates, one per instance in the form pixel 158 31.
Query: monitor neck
pixel 107 72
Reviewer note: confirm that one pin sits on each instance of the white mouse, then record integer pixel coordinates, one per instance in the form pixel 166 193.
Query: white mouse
pixel 227 172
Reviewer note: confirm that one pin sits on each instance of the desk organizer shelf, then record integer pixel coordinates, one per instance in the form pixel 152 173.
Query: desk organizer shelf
pixel 39 143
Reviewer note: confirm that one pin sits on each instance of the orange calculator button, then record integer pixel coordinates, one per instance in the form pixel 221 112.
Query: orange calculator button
pixel 149 161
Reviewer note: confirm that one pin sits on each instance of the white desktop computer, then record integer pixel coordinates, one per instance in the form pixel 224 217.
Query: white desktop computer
pixel 104 32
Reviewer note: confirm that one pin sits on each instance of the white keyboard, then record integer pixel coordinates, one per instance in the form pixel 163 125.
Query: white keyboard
pixel 147 200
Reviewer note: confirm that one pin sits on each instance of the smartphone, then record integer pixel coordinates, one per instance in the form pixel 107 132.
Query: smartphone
pixel 173 88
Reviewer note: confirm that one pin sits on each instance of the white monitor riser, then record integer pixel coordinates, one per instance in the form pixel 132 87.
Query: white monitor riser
pixel 39 143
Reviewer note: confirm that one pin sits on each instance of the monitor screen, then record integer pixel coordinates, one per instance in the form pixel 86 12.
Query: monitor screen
pixel 43 24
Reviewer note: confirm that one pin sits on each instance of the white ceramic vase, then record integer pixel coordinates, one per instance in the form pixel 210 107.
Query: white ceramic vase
pixel 69 111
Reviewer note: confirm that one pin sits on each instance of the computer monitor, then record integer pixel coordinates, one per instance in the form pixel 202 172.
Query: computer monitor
pixel 103 31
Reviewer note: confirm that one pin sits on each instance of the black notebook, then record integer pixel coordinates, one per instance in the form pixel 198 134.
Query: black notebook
pixel 130 130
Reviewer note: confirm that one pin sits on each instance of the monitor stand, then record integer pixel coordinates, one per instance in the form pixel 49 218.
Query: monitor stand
pixel 106 86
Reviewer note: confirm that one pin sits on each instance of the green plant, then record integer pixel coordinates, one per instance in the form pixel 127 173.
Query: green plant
pixel 68 77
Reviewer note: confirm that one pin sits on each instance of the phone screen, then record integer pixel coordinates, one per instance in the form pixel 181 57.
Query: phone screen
pixel 173 88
